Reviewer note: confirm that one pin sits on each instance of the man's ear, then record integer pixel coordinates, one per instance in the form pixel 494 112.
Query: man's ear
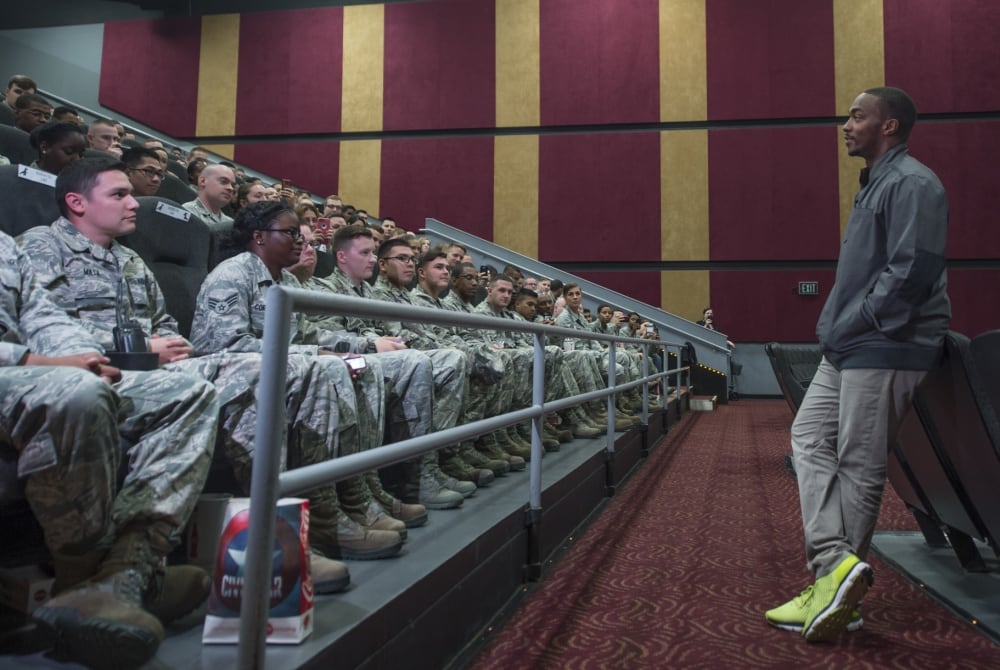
pixel 890 127
pixel 76 203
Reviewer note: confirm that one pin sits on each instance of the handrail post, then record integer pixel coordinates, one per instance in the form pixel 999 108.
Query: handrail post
pixel 612 365
pixel 270 430
pixel 534 521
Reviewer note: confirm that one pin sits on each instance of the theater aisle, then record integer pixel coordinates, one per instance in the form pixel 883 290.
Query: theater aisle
pixel 678 570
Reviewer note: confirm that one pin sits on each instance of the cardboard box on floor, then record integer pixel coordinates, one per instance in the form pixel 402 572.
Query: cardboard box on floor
pixel 25 588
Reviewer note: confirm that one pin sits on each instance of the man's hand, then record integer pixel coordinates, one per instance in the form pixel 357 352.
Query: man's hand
pixel 170 349
pixel 386 343
pixel 93 361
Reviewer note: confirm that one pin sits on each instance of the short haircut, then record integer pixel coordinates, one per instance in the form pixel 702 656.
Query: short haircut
pixel 63 109
pixel 461 268
pixel 346 235
pixel 555 285
pixel 23 81
pixel 53 131
pixel 134 155
pixel 426 258
pixel 704 311
pixel 81 177
pixel 895 104
pixel 194 149
pixel 570 286
pixel 511 269
pixel 456 244
pixel 525 293
pixel 103 122
pixel 26 100
pixel 499 278
pixel 603 305
pixel 389 218
pixel 390 244
pixel 305 207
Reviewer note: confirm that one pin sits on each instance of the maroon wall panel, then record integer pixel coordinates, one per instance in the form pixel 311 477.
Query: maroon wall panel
pixel 964 156
pixel 599 197
pixel 149 71
pixel 310 165
pixel 769 58
pixel 773 193
pixel 439 65
pixel 599 61
pixel 644 286
pixel 944 54
pixel 290 66
pixel 449 179
pixel 973 300
pixel 760 306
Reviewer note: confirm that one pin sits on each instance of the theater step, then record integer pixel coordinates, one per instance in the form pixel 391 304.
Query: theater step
pixel 704 403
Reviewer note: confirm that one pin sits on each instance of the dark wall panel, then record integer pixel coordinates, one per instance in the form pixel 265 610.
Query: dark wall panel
pixel 944 53
pixel 599 197
pixel 599 61
pixel 644 286
pixel 310 165
pixel 964 156
pixel 973 304
pixel 773 194
pixel 149 71
pixel 290 72
pixel 440 67
pixel 769 58
pixel 761 306
pixel 449 179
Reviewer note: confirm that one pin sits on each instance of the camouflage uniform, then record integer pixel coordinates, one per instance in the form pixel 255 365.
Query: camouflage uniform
pixel 61 422
pixel 84 279
pixel 626 368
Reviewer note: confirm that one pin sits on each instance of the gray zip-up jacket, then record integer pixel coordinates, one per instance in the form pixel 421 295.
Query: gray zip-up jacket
pixel 889 306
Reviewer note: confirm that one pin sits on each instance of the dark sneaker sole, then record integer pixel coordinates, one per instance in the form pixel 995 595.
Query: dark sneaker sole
pixel 442 505
pixel 96 643
pixel 414 522
pixel 852 626
pixel 348 554
pixel 831 623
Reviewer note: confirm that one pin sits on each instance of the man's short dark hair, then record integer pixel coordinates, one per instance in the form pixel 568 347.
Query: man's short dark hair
pixel 52 132
pixel 555 285
pixel 348 234
pixel 81 177
pixel 424 259
pixel 460 269
pixel 134 155
pixel 391 243
pixel 23 81
pixel 26 100
pixel 62 110
pixel 896 104
pixel 497 278
pixel 526 293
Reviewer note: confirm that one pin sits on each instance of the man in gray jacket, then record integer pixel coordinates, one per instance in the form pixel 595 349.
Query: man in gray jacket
pixel 881 330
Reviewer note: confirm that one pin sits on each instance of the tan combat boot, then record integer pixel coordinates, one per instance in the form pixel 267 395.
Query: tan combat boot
pixel 411 515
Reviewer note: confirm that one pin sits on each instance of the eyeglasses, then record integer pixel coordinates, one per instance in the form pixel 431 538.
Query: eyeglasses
pixel 402 259
pixel 293 233
pixel 150 172
pixel 315 244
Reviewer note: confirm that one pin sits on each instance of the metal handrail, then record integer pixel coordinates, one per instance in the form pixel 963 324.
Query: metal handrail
pixel 268 484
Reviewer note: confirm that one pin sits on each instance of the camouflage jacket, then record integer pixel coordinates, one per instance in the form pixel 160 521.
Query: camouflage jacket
pixel 30 322
pixel 229 315
pixel 93 283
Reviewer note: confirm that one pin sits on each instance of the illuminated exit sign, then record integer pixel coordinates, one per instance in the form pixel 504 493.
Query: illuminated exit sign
pixel 808 288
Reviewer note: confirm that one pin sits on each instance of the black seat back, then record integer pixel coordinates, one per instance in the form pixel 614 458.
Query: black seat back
pixel 25 199
pixel 6 115
pixel 175 244
pixel 174 189
pixel 15 144
pixel 794 366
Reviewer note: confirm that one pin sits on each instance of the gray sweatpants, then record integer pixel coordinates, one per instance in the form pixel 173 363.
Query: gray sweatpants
pixel 840 441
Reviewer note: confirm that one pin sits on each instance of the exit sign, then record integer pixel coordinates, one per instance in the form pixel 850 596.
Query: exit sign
pixel 808 288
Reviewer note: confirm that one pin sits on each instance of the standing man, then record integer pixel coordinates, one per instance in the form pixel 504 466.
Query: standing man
pixel 881 330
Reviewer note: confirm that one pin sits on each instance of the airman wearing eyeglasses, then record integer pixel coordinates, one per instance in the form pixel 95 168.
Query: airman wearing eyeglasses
pixel 144 170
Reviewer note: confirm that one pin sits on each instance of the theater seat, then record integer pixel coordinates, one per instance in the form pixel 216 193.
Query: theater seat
pixel 6 115
pixel 175 244
pixel 16 145
pixel 26 199
pixel 174 189
pixel 955 406
pixel 794 366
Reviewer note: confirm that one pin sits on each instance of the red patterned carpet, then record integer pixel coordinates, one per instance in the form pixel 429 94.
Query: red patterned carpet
pixel 678 570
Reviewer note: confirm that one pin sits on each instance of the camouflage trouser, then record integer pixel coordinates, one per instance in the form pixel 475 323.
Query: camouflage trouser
pixel 586 372
pixel 556 374
pixel 171 421
pixel 451 380
pixel 489 372
pixel 62 425
pixel 409 392
pixel 320 407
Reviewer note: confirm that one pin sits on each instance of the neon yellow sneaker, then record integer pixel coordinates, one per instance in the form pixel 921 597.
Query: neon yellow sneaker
pixel 792 614
pixel 834 598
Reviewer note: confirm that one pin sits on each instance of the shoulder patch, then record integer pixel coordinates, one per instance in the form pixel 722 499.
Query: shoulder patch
pixel 222 306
